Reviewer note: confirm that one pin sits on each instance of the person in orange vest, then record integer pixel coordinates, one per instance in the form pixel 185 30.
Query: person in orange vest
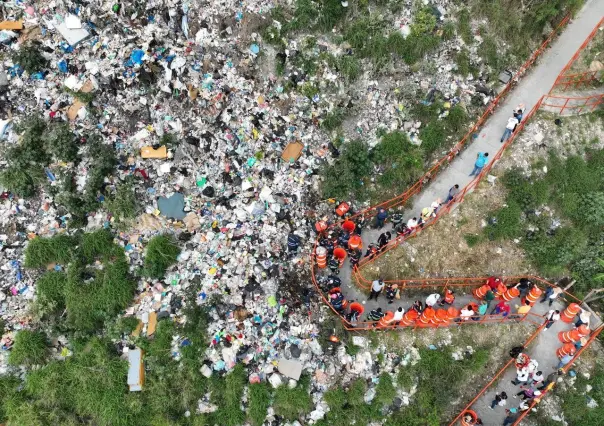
pixel 448 299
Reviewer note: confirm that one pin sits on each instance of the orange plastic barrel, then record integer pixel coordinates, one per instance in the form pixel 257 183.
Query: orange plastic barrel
pixel 570 313
pixel 355 242
pixel 385 320
pixel 348 226
pixel 480 292
pixel 442 318
pixel 321 254
pixel 425 319
pixel 510 294
pixel 452 313
pixel 533 295
pixel 566 349
pixel 583 330
pixel 409 317
pixel 569 336
pixel 339 253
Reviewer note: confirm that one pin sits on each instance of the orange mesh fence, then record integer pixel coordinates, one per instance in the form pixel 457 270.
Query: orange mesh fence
pixel 565 80
pixel 572 105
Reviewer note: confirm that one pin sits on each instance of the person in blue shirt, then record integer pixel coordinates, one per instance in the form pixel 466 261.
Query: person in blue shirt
pixel 381 216
pixel 481 161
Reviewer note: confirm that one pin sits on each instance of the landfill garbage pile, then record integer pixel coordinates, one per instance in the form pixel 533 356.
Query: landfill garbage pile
pixel 220 156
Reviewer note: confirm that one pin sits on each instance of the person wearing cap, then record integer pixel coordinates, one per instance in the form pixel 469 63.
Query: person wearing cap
pixel 376 288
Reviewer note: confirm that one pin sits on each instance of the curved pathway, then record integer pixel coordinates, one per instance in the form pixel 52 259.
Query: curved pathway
pixel 528 91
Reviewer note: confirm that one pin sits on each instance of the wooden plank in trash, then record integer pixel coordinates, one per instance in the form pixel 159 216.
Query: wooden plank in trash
pixel 292 151
pixel 11 25
pixel 152 324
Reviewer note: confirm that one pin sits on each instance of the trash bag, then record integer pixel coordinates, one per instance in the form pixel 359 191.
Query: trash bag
pixel 208 191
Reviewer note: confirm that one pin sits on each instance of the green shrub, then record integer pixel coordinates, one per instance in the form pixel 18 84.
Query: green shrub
pixel 293 403
pixel 401 161
pixel 22 181
pixel 333 119
pixel 552 253
pixel 162 252
pixel 30 348
pixel 472 239
pixel 61 143
pixel 424 22
pixel 462 59
pixel 385 391
pixel 527 193
pixel 50 291
pixel 506 223
pixel 227 395
pixel 457 118
pixel 350 67
pixel 98 244
pixel 30 58
pixel 41 252
pixel 448 31
pixel 433 137
pixel 259 401
pixel 124 203
pixel 490 53
pixel 345 177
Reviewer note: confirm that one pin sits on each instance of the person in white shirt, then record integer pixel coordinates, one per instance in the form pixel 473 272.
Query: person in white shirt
pixel 398 316
pixel 412 224
pixel 466 313
pixel 509 128
pixel 551 317
pixel 376 288
pixel 522 376
pixel 584 318
pixel 432 299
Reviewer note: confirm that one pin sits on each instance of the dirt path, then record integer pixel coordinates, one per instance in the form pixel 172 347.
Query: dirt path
pixel 528 91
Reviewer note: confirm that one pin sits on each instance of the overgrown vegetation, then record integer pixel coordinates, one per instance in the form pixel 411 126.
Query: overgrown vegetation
pixel 30 348
pixel 89 294
pixel 293 403
pixel 30 58
pixel 162 252
pixel 567 238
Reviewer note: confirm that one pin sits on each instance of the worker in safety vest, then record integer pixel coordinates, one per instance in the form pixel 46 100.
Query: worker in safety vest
pixel 375 315
pixel 448 299
pixel 371 251
pixel 360 222
pixel 391 290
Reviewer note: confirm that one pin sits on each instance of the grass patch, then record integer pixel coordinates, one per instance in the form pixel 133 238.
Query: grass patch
pixel 162 252
pixel 30 348
pixel 291 404
pixel 227 395
pixel 259 401
pixel 41 252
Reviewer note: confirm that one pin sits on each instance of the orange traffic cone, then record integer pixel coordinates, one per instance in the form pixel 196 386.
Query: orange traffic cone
pixel 480 292
pixel 569 336
pixel 409 317
pixel 321 254
pixel 566 349
pixel 583 330
pixel 533 295
pixel 510 294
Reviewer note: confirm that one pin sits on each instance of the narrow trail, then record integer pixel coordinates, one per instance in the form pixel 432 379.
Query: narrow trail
pixel 528 91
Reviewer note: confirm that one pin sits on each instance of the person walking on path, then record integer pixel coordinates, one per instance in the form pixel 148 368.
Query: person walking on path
pixel 383 240
pixel 551 294
pixel 481 161
pixel 380 218
pixel 550 381
pixel 501 399
pixel 551 317
pixel 417 306
pixel 528 393
pixel 489 297
pixel 398 316
pixel 523 285
pixel 453 191
pixel 482 309
pixel 372 250
pixel 391 292
pixel 376 288
pixel 535 379
pixel 509 128
pixel 449 298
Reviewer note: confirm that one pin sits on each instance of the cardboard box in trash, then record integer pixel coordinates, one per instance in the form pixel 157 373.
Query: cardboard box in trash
pixel 136 370
pixel 292 152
